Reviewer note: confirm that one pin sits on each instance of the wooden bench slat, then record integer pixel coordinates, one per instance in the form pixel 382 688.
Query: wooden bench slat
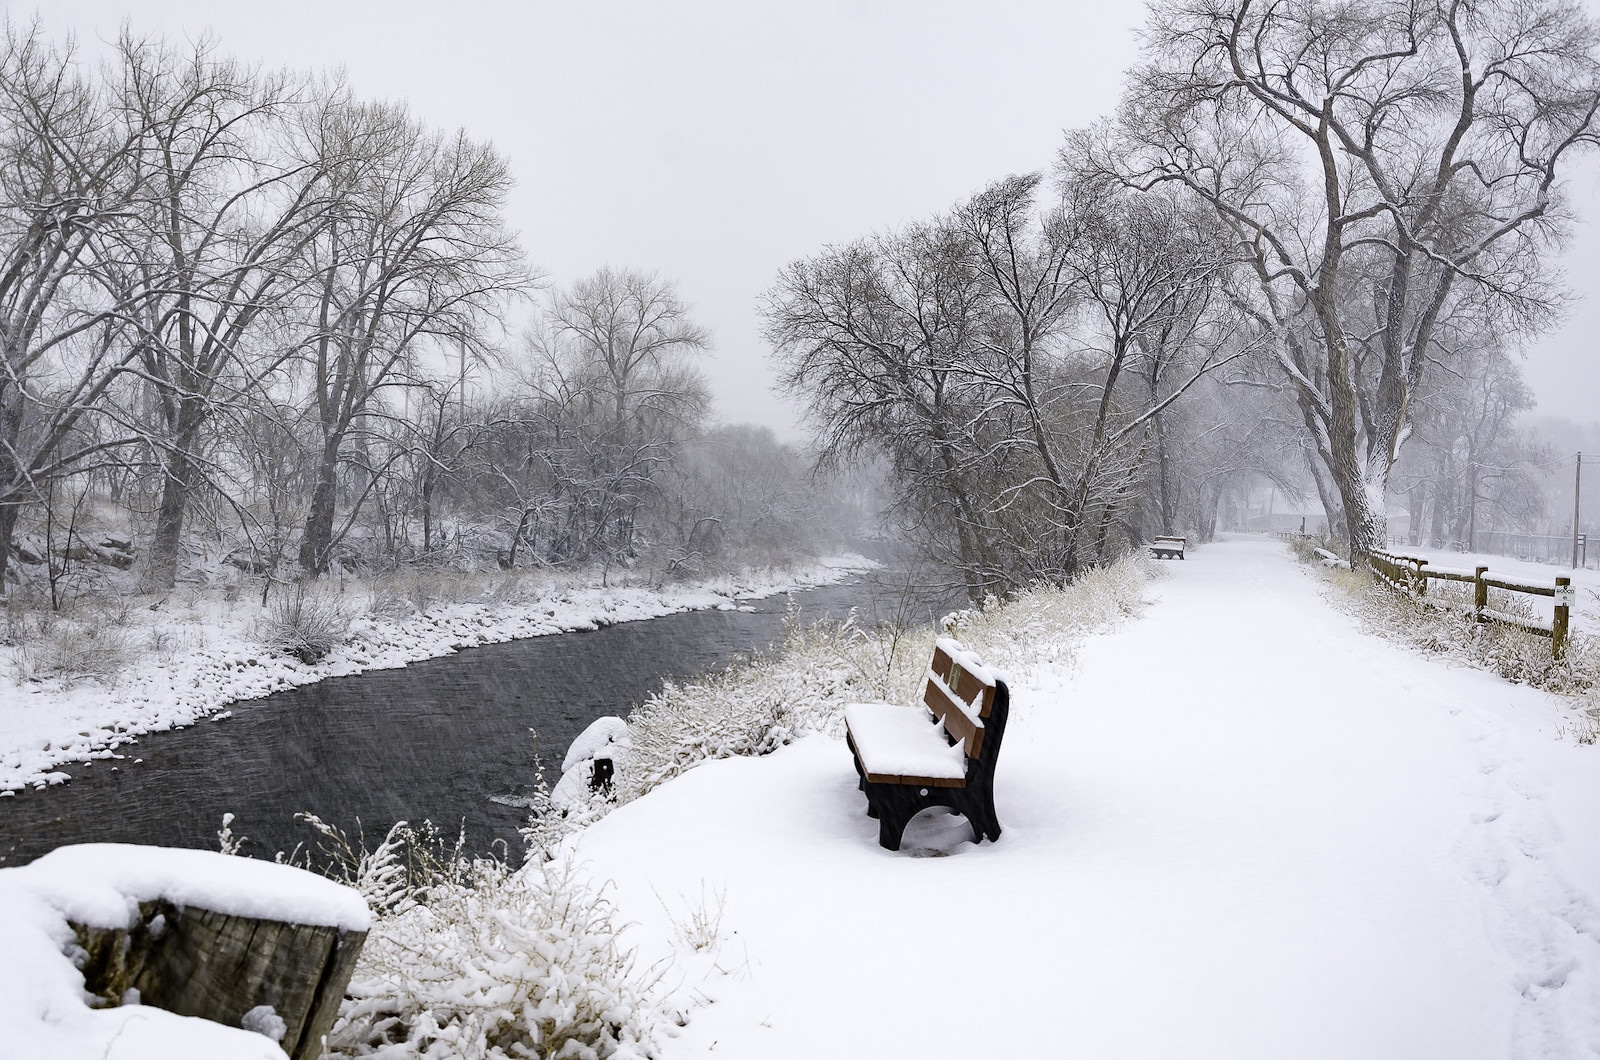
pixel 955 720
pixel 963 682
pixel 926 782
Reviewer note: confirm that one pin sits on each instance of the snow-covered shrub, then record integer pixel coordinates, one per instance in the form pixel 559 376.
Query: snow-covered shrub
pixel 469 959
pixel 1442 623
pixel 1305 548
pixel 493 964
pixel 87 644
pixel 305 623
pixel 1039 626
pixel 753 707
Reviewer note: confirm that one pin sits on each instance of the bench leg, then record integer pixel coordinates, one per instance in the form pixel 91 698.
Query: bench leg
pixel 890 832
pixel 976 804
pixel 985 825
pixel 893 805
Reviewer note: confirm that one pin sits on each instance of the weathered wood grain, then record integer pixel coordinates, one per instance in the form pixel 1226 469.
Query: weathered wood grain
pixel 197 962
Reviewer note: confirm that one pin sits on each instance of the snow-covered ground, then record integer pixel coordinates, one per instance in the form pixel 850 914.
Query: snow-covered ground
pixel 205 654
pixel 1585 613
pixel 1237 827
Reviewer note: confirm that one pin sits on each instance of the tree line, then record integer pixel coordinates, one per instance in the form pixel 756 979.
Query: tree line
pixel 1311 233
pixel 246 305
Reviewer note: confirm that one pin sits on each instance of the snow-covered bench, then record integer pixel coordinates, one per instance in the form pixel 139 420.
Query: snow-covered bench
pixel 939 754
pixel 1167 547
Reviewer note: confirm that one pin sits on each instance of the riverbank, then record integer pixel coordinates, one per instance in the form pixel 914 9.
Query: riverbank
pixel 201 656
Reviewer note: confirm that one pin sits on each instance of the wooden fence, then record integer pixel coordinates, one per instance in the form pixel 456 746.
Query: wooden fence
pixel 1411 574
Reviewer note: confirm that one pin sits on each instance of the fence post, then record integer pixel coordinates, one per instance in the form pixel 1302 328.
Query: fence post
pixel 1480 592
pixel 1558 627
pixel 1422 578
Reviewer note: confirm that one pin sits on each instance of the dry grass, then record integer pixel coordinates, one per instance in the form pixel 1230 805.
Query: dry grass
pixel 1441 624
pixel 71 649
pixel 85 643
pixel 306 622
pixel 471 960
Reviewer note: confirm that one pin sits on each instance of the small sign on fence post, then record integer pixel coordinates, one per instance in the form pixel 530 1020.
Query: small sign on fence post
pixel 1565 596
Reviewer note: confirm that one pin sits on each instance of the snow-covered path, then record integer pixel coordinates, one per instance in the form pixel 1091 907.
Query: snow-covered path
pixel 1240 828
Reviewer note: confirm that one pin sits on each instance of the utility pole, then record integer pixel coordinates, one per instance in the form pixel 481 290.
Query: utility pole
pixel 1577 496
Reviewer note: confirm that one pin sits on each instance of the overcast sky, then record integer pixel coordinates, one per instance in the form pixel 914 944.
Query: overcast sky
pixel 716 141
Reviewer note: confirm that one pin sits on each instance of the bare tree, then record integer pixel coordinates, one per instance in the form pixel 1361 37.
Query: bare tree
pixel 66 181
pixel 1144 271
pixel 1371 159
pixel 215 240
pixel 983 353
pixel 414 249
pixel 1469 467
pixel 877 339
pixel 613 392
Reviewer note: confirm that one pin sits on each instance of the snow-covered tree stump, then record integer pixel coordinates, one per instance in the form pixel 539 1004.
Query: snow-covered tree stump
pixel 248 944
pixel 280 979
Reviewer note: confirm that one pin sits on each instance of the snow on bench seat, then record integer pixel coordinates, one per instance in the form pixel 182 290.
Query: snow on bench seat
pixel 904 744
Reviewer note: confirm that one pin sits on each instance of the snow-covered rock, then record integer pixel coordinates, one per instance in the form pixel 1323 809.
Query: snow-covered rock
pixel 603 737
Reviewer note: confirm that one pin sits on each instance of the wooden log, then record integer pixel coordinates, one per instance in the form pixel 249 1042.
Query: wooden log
pixel 197 962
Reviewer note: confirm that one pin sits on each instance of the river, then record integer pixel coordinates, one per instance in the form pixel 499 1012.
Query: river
pixel 439 740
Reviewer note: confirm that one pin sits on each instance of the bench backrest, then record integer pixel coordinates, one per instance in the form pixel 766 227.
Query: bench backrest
pixel 961 692
pixel 1174 540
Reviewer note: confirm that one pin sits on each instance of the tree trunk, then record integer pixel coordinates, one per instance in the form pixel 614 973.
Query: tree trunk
pixel 427 511
pixel 1169 499
pixel 316 544
pixel 9 507
pixel 1436 523
pixel 167 542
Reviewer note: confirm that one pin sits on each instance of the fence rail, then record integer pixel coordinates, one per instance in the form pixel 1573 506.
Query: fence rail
pixel 1410 575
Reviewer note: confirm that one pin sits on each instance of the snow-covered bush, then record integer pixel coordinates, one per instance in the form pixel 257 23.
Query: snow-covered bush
pixel 86 644
pixel 1039 626
pixel 305 623
pixel 1441 623
pixel 499 964
pixel 469 959
pixel 756 706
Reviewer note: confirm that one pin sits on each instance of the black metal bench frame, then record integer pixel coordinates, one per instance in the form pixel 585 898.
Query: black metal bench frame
pixel 894 800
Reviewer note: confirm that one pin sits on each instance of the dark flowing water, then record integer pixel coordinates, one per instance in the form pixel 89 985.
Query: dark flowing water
pixel 436 740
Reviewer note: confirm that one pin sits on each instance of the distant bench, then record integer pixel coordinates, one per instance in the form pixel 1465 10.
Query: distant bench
pixel 941 754
pixel 1168 547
